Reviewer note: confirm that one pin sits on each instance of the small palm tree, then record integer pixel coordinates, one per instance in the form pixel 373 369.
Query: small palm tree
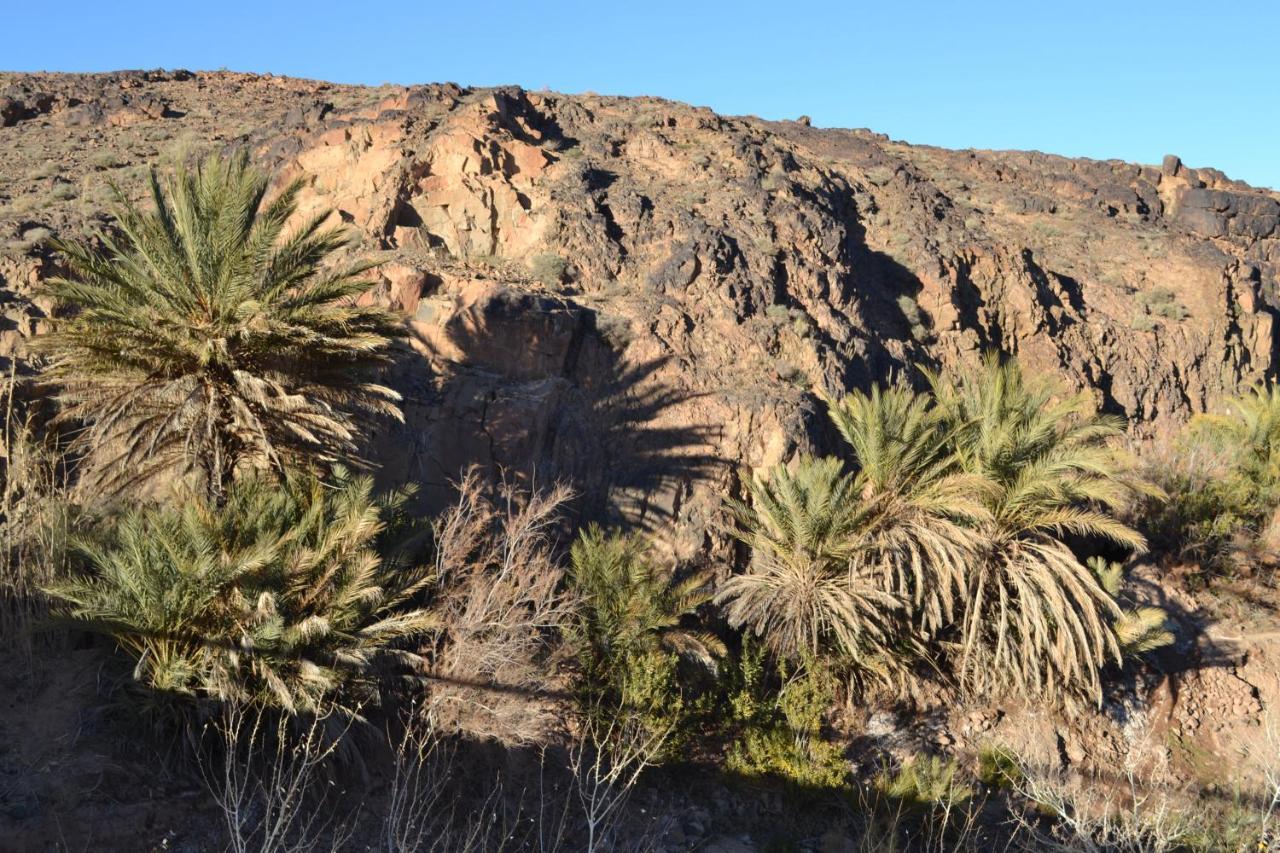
pixel 1138 630
pixel 1036 619
pixel 205 340
pixel 804 592
pixel 630 605
pixel 1250 433
pixel 865 565
pixel 279 597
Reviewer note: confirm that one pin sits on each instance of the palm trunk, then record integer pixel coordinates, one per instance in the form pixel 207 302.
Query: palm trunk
pixel 219 463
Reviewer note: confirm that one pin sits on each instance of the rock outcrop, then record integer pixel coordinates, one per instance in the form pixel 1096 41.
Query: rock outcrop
pixel 647 298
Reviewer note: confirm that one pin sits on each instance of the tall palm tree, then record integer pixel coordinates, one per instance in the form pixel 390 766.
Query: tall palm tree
pixel 1036 620
pixel 205 339
pixel 279 597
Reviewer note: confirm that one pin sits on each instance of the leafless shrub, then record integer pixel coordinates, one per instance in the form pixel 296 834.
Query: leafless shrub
pixel 1089 820
pixel 1143 815
pixel 500 607
pixel 423 810
pixel 270 780
pixel 890 828
pixel 35 516
pixel 605 764
pixel 578 804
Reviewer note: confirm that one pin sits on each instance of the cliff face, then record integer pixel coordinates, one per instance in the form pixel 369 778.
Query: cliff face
pixel 645 297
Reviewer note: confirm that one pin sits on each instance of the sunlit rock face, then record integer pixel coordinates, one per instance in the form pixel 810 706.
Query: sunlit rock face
pixel 646 299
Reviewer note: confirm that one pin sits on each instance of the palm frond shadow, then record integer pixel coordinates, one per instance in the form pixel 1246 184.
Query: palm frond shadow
pixel 526 388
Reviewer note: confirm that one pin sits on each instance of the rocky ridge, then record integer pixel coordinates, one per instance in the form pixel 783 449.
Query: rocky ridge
pixel 647 298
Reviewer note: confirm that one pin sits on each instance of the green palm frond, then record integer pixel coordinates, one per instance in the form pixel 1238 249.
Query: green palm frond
pixel 280 596
pixel 1110 574
pixel 630 605
pixel 205 338
pixel 1143 630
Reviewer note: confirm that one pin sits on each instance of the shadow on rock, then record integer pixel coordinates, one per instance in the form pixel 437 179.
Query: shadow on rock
pixel 527 389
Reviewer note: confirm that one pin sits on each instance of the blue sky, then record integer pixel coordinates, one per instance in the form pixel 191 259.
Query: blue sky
pixel 1130 80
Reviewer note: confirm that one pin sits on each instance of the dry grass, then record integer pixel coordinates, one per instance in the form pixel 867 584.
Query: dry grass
pixel 35 517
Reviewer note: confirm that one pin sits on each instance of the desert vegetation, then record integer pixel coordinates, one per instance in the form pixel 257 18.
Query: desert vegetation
pixel 196 500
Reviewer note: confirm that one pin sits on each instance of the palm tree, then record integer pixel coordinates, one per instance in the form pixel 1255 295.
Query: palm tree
pixel 927 507
pixel 865 565
pixel 279 597
pixel 805 593
pixel 204 340
pixel 1250 432
pixel 1036 620
pixel 630 605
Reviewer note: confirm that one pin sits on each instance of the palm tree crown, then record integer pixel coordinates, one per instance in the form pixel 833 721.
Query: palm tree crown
pixel 279 597
pixel 205 340
pixel 1036 618
pixel 803 593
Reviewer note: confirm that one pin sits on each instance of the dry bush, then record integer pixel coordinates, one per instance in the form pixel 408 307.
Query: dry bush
pixel 500 610
pixel 605 763
pixel 576 802
pixel 35 518
pixel 1094 819
pixel 1147 811
pixel 269 781
pixel 424 808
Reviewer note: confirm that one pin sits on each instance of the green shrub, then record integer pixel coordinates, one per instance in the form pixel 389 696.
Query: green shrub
pixel 1159 302
pixel 1249 431
pixel 1141 322
pixel 31 238
pixel 1222 478
pixel 106 159
pixel 280 598
pixel 549 269
pixel 780 732
pixel 999 767
pixel 1206 523
pixel 615 330
pixel 926 782
pixel 629 628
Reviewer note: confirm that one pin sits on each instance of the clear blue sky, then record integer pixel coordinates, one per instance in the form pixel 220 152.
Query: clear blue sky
pixel 1128 79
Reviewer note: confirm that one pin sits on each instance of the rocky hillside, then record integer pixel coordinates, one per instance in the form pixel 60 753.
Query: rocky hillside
pixel 646 298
